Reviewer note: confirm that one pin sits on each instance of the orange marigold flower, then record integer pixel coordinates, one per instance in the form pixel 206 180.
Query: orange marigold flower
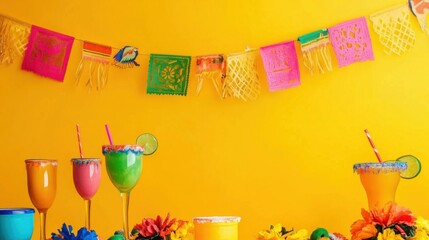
pixel 392 213
pixel 361 229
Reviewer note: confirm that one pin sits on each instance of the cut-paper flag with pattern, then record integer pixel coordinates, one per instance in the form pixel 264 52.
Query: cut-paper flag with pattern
pixel 242 80
pixel 168 74
pixel 420 9
pixel 394 29
pixel 47 53
pixel 211 67
pixel 316 51
pixel 96 58
pixel 13 39
pixel 281 65
pixel 351 42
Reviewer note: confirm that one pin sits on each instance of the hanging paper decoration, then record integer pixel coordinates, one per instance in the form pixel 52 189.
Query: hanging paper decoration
pixel 351 42
pixel 281 65
pixel 420 9
pixel 211 67
pixel 126 57
pixel 13 39
pixel 168 74
pixel 394 30
pixel 47 53
pixel 242 79
pixel 98 58
pixel 315 51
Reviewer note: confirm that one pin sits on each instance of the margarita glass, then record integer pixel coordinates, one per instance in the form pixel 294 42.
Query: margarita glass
pixel 124 167
pixel 380 181
pixel 86 179
pixel 42 187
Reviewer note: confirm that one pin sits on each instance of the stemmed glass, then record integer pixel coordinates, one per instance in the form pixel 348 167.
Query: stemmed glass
pixel 124 167
pixel 42 187
pixel 86 179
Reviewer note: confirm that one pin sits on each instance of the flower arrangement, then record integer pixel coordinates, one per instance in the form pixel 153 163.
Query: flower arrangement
pixel 278 232
pixel 66 233
pixel 390 223
pixel 159 229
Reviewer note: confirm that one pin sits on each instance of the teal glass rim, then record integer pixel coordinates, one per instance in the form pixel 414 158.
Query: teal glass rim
pixel 12 211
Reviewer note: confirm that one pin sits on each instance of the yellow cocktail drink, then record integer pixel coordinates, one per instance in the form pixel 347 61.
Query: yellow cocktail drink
pixel 380 181
pixel 216 228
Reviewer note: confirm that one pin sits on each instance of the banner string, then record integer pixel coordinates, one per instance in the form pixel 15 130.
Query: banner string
pixel 118 48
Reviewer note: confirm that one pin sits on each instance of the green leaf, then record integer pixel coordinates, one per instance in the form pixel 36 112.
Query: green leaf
pixel 284 231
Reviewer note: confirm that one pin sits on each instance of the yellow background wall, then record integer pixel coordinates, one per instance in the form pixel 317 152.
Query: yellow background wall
pixel 284 158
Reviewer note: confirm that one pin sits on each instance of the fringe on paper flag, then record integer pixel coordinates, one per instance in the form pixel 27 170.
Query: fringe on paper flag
pixel 168 74
pixel 126 57
pixel 242 79
pixel 281 65
pixel 351 42
pixel 97 57
pixel 211 67
pixel 394 30
pixel 315 48
pixel 420 9
pixel 13 39
pixel 47 53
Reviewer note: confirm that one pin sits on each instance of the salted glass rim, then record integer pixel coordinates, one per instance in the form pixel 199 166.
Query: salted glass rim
pixel 41 160
pixel 217 219
pixel 85 159
pixel 122 148
pixel 384 166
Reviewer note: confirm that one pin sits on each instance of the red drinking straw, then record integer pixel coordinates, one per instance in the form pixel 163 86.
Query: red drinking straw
pixel 108 134
pixel 78 140
pixel 373 146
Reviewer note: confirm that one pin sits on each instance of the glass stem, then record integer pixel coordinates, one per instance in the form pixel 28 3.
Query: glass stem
pixel 125 203
pixel 42 214
pixel 87 214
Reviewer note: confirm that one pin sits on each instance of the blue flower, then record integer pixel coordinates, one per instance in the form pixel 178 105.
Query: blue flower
pixel 67 234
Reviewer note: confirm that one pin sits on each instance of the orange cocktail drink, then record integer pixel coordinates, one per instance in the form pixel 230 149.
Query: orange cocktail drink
pixel 380 181
pixel 42 186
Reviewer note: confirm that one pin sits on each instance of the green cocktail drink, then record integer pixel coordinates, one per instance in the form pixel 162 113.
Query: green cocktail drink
pixel 124 167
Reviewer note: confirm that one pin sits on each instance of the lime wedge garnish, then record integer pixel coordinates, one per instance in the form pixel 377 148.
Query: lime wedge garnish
pixel 148 142
pixel 413 166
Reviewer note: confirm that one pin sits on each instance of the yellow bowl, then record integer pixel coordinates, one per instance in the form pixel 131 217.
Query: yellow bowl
pixel 216 228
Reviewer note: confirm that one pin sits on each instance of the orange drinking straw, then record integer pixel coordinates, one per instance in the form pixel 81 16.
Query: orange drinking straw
pixel 108 134
pixel 373 146
pixel 78 140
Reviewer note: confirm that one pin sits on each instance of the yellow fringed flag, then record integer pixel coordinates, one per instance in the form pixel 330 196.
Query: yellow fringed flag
pixel 316 52
pixel 394 29
pixel 242 79
pixel 211 67
pixel 13 39
pixel 98 57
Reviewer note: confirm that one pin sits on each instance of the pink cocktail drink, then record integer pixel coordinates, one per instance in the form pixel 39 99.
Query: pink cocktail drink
pixel 86 178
